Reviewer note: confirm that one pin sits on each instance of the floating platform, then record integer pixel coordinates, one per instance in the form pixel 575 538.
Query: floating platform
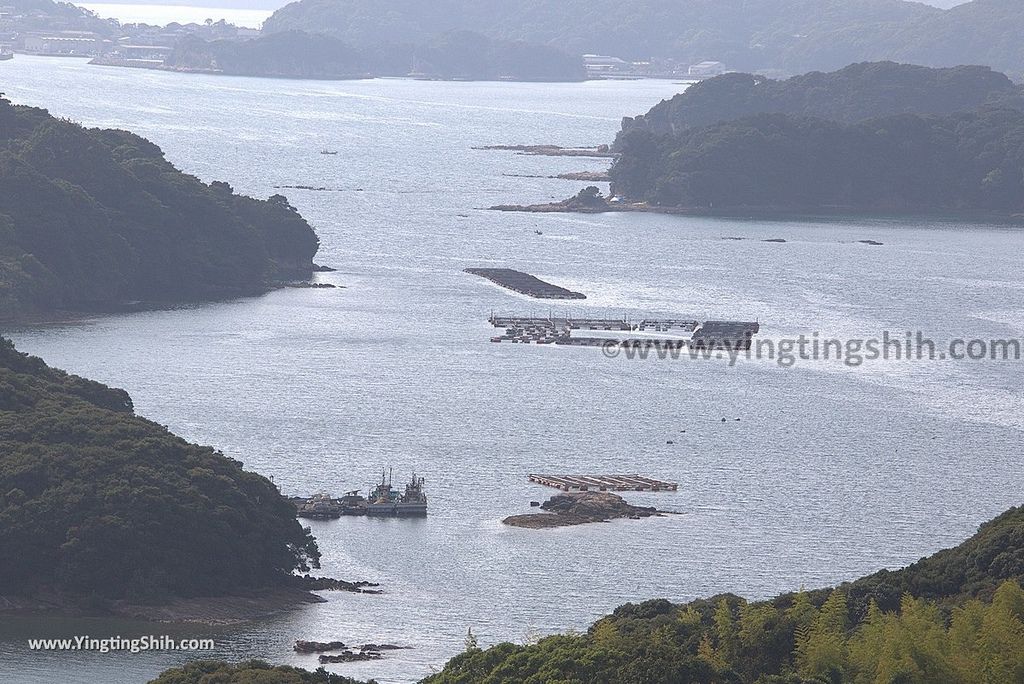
pixel 603 483
pixel 559 330
pixel 524 283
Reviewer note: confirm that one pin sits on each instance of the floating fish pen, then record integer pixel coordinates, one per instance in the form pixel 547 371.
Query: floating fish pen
pixel 558 330
pixel 560 323
pixel 724 334
pixel 667 325
pixel 604 483
pixel 524 283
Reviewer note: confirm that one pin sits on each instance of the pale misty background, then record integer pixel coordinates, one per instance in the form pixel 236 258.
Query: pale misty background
pixel 275 4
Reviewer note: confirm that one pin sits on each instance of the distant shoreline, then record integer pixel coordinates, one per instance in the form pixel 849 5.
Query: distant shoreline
pixel 216 610
pixel 754 213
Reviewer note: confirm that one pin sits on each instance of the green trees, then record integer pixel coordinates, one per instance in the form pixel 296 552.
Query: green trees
pixel 956 617
pixel 92 218
pixel 904 163
pixel 311 54
pixel 252 672
pixel 96 502
pixel 852 94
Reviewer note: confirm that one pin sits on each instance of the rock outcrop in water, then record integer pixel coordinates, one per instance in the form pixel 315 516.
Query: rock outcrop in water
pixel 578 508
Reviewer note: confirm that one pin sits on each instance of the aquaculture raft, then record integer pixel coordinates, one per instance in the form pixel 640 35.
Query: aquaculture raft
pixel 615 483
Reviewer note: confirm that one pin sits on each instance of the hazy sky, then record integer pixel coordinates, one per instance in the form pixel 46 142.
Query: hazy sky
pixel 274 4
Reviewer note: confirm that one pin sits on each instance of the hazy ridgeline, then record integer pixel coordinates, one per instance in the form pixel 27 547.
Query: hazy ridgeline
pixel 787 35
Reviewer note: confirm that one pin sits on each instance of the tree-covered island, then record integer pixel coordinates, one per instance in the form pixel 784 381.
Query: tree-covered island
pixel 92 218
pixel 99 507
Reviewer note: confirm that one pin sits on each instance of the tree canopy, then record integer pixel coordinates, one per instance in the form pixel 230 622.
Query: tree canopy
pixel 854 93
pixel 907 163
pixel 252 672
pixel 306 54
pixel 96 502
pixel 956 617
pixel 92 218
pixel 791 36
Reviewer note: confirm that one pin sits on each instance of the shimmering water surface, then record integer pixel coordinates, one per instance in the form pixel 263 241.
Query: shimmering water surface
pixel 831 472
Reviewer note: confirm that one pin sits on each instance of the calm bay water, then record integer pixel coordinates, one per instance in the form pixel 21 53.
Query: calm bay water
pixel 832 472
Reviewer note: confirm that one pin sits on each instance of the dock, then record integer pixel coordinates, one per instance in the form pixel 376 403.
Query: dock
pixel 524 283
pixel 603 483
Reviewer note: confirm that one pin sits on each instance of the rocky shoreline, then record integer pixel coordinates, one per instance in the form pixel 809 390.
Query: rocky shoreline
pixel 205 610
pixel 602 205
pixel 599 151
pixel 589 176
pixel 580 508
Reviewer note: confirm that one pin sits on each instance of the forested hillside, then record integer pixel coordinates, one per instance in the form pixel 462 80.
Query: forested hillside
pixel 792 36
pixel 953 618
pixel 852 94
pixel 452 55
pixel 744 35
pixel 91 218
pixel 901 164
pixel 97 503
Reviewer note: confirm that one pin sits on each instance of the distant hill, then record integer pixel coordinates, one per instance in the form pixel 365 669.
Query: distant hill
pixel 787 35
pixel 989 32
pixel 968 162
pixel 857 92
pixel 93 218
pixel 742 34
pixel 452 55
pixel 97 504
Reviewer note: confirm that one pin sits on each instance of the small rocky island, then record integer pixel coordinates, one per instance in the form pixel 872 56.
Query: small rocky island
pixel 578 508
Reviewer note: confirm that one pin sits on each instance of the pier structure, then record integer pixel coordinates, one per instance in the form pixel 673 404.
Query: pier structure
pixel 603 483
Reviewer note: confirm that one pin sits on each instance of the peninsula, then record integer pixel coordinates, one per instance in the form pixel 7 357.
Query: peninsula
pixel 104 512
pixel 92 219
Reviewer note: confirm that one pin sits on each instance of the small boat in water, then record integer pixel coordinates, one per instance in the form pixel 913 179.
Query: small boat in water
pixel 326 151
pixel 5 54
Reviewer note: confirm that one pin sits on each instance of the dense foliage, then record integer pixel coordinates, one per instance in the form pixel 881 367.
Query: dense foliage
pixel 92 218
pixel 456 54
pixel 852 94
pixel 252 672
pixel 741 33
pixel 906 163
pixel 788 35
pixel 49 16
pixel 98 503
pixel 966 625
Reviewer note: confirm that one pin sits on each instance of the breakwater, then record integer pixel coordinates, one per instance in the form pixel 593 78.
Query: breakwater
pixel 524 283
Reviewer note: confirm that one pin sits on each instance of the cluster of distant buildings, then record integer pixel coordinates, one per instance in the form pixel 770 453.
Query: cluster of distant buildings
pixel 38 33
pixel 608 67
